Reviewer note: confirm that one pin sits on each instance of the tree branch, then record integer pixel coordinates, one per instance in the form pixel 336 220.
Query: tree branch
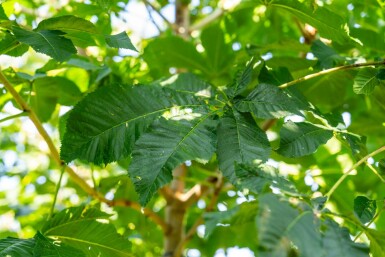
pixel 147 3
pixel 73 175
pixel 207 20
pixel 323 72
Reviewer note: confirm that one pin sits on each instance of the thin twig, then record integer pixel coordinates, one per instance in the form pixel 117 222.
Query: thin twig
pixel 56 194
pixel 148 8
pixel 346 174
pixel 207 20
pixel 148 3
pixel 73 175
pixel 14 116
pixel 346 67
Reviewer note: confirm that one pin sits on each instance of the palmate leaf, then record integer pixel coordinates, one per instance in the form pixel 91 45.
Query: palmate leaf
pixel 302 138
pixel 240 140
pixel 49 42
pixel 364 208
pixel 87 230
pixel 268 101
pixel 168 144
pixel 329 24
pixel 104 126
pixel 16 247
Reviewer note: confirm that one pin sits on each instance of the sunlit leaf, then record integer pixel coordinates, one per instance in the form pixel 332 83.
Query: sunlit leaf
pixel 47 248
pixel 120 40
pixel 365 81
pixel 16 247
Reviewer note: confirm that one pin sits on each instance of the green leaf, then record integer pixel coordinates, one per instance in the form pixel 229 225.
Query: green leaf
pixel 219 54
pixel 168 144
pixel 364 208
pixel 120 40
pixel 268 101
pixel 337 242
pixel 329 24
pixel 3 16
pixel 10 46
pixel 104 126
pixel 377 242
pixel 16 247
pixel 51 43
pixel 164 53
pixel 357 144
pixel 366 80
pixel 87 230
pixel 279 224
pixel 381 165
pixel 242 80
pixel 240 140
pixel 327 56
pixel 78 30
pixel 257 177
pixel 303 138
pixel 47 248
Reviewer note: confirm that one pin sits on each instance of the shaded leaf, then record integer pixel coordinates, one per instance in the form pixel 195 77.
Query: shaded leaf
pixel 381 165
pixel 257 177
pixel 364 208
pixel 87 230
pixel 240 140
pixel 357 145
pixel 268 101
pixel 242 79
pixel 48 248
pixel 365 81
pixel 120 40
pixel 328 23
pixel 104 126
pixel 303 138
pixel 51 43
pixel 337 242
pixel 16 247
pixel 10 46
pixel 168 144
pixel 327 56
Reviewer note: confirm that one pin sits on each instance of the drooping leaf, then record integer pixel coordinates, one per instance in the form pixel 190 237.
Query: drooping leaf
pixel 104 126
pixel 328 23
pixel 219 54
pixel 48 248
pixel 364 208
pixel 302 138
pixel 120 40
pixel 268 101
pixel 168 144
pixel 16 247
pixel 87 230
pixel 240 140
pixel 242 79
pixel 256 177
pixel 357 144
pixel 327 56
pixel 10 46
pixel 78 30
pixel 366 80
pixel 279 224
pixel 377 242
pixel 49 42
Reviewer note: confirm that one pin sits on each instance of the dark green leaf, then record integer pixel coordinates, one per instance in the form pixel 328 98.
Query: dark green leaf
pixel 242 79
pixel 381 165
pixel 357 144
pixel 303 138
pixel 327 56
pixel 240 140
pixel 168 144
pixel 120 40
pixel 257 177
pixel 268 101
pixel 276 77
pixel 16 247
pixel 87 230
pixel 3 16
pixel 381 74
pixel 48 248
pixel 51 43
pixel 364 208
pixel 365 81
pixel 104 126
pixel 329 24
pixel 337 242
